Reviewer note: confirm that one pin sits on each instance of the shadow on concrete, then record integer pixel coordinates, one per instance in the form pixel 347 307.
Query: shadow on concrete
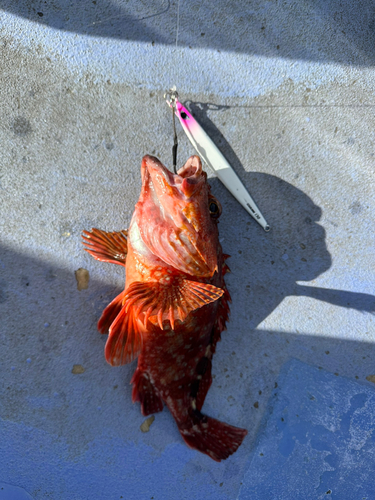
pixel 294 250
pixel 47 326
pixel 340 31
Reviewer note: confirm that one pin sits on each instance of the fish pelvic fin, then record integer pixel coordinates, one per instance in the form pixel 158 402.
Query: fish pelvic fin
pixel 171 298
pixel 145 393
pixel 110 313
pixel 106 247
pixel 216 439
pixel 124 341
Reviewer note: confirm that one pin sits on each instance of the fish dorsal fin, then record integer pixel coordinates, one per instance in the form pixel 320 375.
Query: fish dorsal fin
pixel 106 247
pixel 124 340
pixel 171 298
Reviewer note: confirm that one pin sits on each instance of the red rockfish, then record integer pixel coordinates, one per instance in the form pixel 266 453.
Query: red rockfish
pixel 175 302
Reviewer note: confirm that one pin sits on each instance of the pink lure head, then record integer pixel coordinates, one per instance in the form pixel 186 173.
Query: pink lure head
pixel 176 216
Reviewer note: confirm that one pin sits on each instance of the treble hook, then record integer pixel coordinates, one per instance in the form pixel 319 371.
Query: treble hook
pixel 173 95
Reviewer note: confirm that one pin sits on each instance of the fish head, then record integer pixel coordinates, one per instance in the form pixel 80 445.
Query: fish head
pixel 176 217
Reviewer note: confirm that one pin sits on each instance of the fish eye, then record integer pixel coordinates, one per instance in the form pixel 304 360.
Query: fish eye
pixel 214 207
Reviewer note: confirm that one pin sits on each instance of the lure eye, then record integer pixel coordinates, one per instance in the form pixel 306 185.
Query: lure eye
pixel 214 208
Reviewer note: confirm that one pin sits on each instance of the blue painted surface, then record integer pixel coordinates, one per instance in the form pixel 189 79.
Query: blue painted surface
pixel 10 492
pixel 318 439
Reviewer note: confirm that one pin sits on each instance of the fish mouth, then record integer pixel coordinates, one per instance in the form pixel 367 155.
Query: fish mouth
pixel 188 179
pixel 178 228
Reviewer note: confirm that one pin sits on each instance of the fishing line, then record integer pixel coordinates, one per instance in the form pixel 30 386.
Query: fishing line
pixel 208 150
pixel 202 143
pixel 175 141
pixel 119 16
pixel 178 22
pixel 173 96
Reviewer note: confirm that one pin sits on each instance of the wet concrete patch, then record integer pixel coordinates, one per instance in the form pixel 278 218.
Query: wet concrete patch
pixel 10 492
pixel 21 126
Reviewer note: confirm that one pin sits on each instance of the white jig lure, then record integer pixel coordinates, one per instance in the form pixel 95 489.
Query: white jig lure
pixel 213 158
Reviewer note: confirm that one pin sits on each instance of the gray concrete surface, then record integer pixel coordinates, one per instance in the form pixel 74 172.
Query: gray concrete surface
pixel 80 106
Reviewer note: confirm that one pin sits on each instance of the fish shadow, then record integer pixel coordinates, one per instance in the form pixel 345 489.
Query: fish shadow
pixel 266 270
pixel 271 264
pixel 48 326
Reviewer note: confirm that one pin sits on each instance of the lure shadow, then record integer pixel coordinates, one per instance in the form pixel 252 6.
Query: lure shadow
pixel 270 264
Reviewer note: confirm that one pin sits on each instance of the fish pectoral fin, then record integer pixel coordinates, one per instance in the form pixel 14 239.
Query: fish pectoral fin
pixel 124 341
pixel 110 313
pixel 106 247
pixel 169 300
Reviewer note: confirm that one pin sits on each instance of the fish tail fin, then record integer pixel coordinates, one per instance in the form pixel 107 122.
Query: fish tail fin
pixel 145 393
pixel 216 439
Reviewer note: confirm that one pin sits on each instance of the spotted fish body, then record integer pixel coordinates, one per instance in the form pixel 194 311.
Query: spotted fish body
pixel 175 302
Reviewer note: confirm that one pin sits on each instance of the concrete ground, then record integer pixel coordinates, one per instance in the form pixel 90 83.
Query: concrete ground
pixel 287 93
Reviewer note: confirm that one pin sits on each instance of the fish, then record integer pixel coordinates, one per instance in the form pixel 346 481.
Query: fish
pixel 175 303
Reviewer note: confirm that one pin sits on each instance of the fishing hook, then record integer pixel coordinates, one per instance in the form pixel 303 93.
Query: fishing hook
pixel 171 97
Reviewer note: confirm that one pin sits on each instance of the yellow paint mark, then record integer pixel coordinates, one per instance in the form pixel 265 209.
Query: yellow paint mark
pixel 82 277
pixel 77 369
pixel 145 427
pixel 371 378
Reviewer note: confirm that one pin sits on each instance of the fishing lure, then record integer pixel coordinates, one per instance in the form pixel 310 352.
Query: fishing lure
pixel 212 156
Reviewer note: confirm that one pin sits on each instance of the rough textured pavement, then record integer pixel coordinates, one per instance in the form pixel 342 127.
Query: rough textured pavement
pixel 287 93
